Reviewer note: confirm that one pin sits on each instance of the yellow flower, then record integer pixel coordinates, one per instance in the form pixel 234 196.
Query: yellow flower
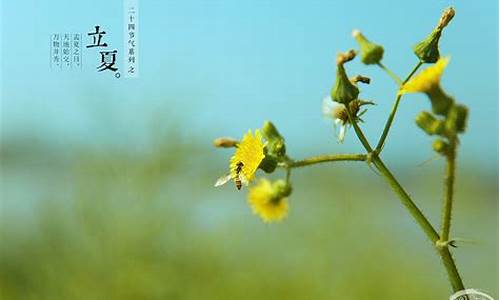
pixel 247 158
pixel 427 80
pixel 245 161
pixel 267 201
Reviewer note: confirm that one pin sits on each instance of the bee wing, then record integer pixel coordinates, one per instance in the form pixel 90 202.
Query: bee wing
pixel 222 180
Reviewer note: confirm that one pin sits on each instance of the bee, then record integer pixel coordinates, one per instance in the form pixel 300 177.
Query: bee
pixel 239 179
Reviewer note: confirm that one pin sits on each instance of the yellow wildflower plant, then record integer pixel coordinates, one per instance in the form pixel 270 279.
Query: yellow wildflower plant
pixel 427 80
pixel 268 200
pixel 245 161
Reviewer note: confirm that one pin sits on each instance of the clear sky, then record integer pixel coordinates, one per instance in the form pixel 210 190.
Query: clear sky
pixel 221 67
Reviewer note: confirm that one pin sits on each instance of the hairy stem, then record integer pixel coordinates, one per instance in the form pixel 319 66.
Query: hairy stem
pixel 425 225
pixel 358 130
pixel 415 212
pixel 395 106
pixel 448 187
pixel 398 189
pixel 451 268
pixel 326 158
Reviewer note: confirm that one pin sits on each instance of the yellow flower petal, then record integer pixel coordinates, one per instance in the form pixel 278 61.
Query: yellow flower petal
pixel 426 80
pixel 248 156
pixel 263 202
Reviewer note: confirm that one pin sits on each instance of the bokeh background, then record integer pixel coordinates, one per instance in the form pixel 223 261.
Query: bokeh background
pixel 106 184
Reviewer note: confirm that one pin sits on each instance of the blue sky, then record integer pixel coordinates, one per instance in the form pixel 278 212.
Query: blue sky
pixel 221 67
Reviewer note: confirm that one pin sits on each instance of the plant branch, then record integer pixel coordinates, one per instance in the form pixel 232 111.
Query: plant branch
pixel 395 106
pixel 430 232
pixel 406 200
pixel 415 212
pixel 358 130
pixel 325 158
pixel 448 186
pixel 398 189
pixel 451 268
pixel 390 73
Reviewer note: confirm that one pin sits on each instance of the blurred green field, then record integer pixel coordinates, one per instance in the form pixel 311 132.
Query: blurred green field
pixel 85 222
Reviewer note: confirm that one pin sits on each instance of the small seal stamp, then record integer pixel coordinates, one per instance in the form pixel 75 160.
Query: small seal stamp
pixel 470 294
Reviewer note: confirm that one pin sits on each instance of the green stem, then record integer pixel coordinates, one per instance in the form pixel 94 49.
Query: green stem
pixel 395 106
pixel 326 158
pixel 451 268
pixel 398 189
pixel 390 73
pixel 448 186
pixel 388 124
pixel 430 232
pixel 406 200
pixel 418 65
pixel 358 130
pixel 415 212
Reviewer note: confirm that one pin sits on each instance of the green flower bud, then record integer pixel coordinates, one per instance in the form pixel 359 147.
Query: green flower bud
pixel 269 163
pixel 441 147
pixel 344 91
pixel 428 49
pixel 371 53
pixel 270 131
pixel 456 120
pixel 275 142
pixel 428 123
pixel 225 142
pixel 440 101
